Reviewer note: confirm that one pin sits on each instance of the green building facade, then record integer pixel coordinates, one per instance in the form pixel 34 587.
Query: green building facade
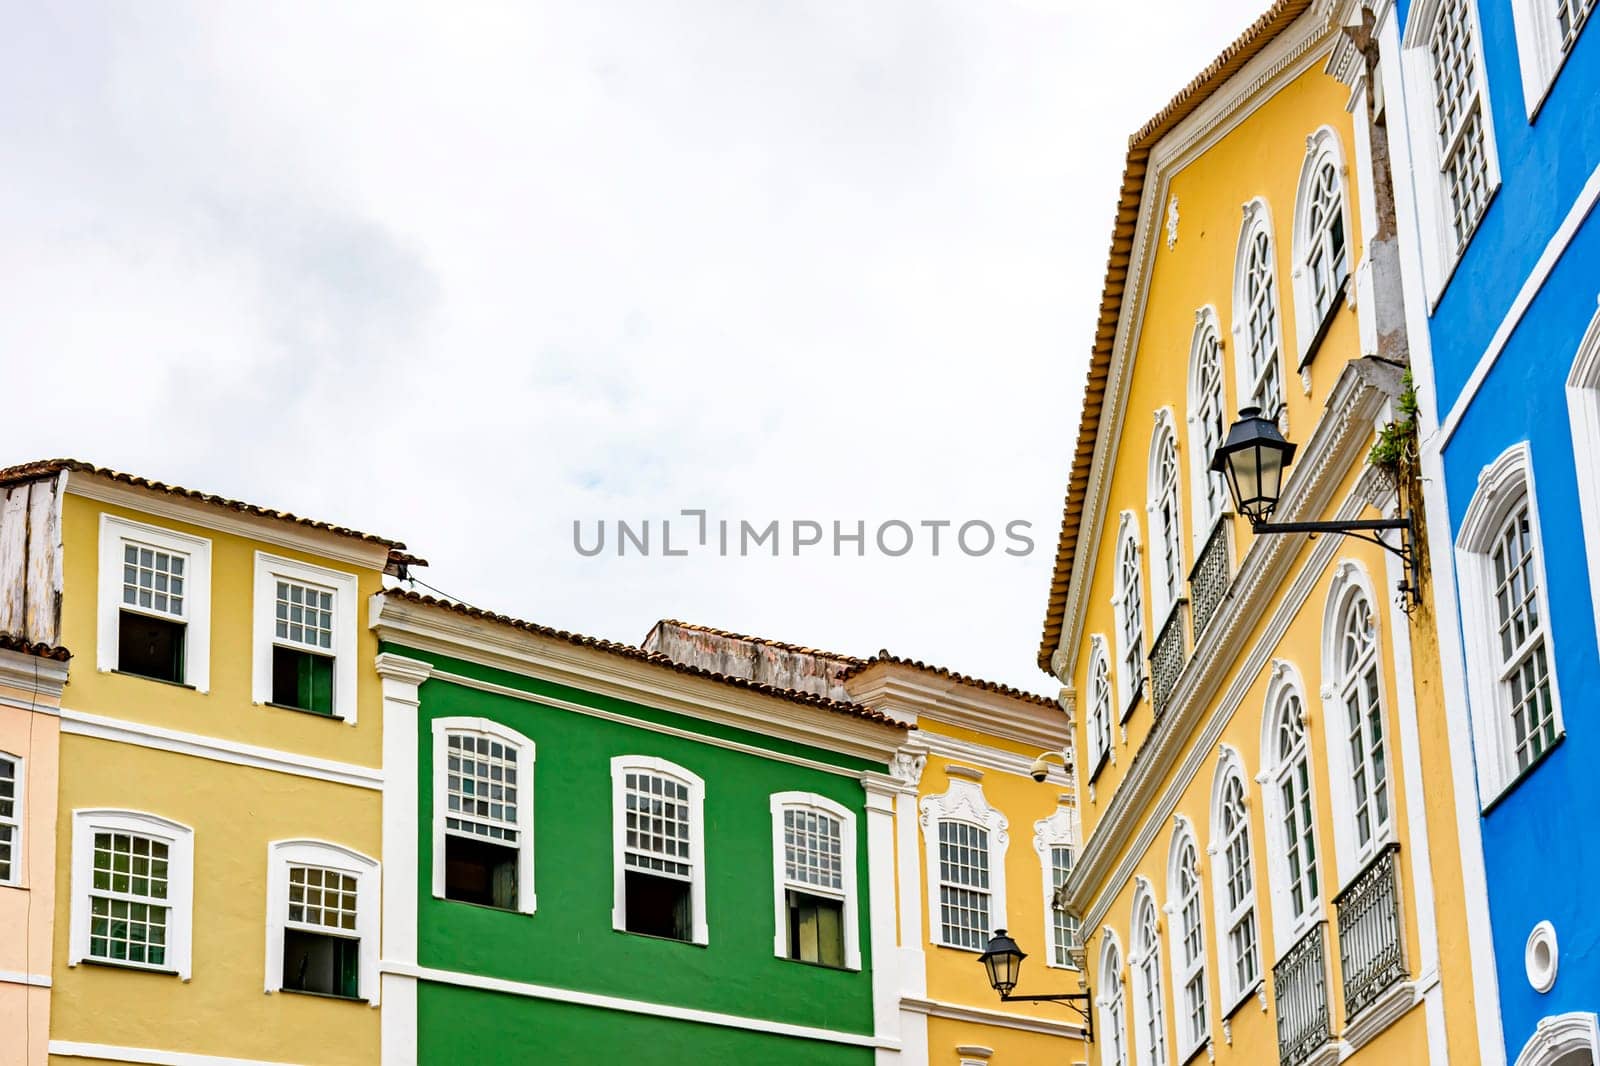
pixel 621 859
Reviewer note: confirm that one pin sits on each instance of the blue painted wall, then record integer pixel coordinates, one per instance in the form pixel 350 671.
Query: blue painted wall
pixel 1540 851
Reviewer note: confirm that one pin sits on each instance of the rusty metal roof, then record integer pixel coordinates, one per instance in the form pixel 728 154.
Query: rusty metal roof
pixel 630 651
pixel 1241 51
pixel 50 467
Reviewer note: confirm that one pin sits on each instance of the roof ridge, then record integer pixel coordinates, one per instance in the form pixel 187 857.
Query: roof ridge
pixel 998 687
pixel 766 641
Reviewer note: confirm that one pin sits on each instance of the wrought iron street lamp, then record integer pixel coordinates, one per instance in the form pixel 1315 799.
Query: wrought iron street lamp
pixel 1252 458
pixel 1003 959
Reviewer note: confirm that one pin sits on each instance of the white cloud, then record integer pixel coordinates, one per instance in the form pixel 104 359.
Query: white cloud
pixel 465 275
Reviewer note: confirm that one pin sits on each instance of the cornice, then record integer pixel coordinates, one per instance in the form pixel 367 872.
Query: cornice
pixel 910 695
pixel 33 673
pixel 530 655
pixel 987 757
pixel 209 516
pixel 1000 1019
pixel 1140 805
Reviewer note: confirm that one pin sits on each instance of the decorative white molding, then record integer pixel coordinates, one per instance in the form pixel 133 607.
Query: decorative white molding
pixel 1583 410
pixel 525 753
pixel 1557 1037
pixel 32 980
pixel 1541 957
pixel 1057 830
pixel 1323 147
pixel 346 627
pixel 116 531
pixel 964 801
pixel 179 840
pixel 78 1049
pixel 46 678
pixel 282 854
pixel 1392 1005
pixel 1172 224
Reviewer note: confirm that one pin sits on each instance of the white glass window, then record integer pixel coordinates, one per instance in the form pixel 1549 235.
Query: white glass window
pixel 1360 691
pixel 1208 419
pixel 1128 605
pixel 305 637
pixel 152 579
pixel 153 616
pixel 1111 1017
pixel 658 849
pixel 1293 784
pixel 1190 963
pixel 1262 348
pixel 1167 532
pixel 1523 660
pixel 1570 16
pixel 322 920
pixel 814 878
pixel 1064 927
pixel 964 885
pixel 303 615
pixel 132 887
pixel 10 820
pixel 1099 708
pixel 1328 257
pixel 1152 1036
pixel 1236 897
pixel 483 817
pixel 1458 113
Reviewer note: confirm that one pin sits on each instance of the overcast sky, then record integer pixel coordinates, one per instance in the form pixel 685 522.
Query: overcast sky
pixel 464 275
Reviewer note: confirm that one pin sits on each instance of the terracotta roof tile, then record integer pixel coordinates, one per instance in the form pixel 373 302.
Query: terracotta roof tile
pixel 629 651
pixel 13 642
pixel 1273 21
pixel 996 687
pixel 49 467
pixel 786 646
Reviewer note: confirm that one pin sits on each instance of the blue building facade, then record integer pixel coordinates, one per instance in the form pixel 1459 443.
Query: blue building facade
pixel 1492 110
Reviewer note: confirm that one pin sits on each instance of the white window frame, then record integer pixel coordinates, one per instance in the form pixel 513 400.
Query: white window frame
pixel 1101 717
pixel 1503 484
pixel 527 899
pixel 1284 689
pixel 1183 969
pixel 964 801
pixel 1163 499
pixel 620 765
pixel 1113 1011
pixel 114 532
pixel 1323 149
pixel 1541 52
pixel 1128 687
pixel 1059 830
pixel 1231 767
pixel 1203 482
pixel 346 626
pixel 1144 960
pixel 281 855
pixel 801 801
pixel 1583 410
pixel 17 821
pixel 1439 253
pixel 1258 219
pixel 179 840
pixel 1350 580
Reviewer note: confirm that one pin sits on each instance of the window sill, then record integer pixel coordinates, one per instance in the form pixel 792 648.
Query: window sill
pixel 157 680
pixel 132 967
pixel 1194 1053
pixel 322 995
pixel 1325 325
pixel 1249 994
pixel 496 910
pixel 1100 764
pixel 957 947
pixel 1521 776
pixel 1133 704
pixel 642 936
pixel 821 965
pixel 302 710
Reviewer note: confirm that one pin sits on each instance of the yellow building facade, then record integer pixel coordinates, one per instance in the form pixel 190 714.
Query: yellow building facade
pixel 1262 770
pixel 217 850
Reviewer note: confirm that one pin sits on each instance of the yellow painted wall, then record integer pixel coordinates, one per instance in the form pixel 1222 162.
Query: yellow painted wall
pixel 1261 157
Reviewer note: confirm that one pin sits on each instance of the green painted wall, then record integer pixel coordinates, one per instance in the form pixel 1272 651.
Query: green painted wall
pixel 459 1025
pixel 569 942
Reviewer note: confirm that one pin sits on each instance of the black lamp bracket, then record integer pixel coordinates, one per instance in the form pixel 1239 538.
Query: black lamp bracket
pixel 1367 529
pixel 1080 1003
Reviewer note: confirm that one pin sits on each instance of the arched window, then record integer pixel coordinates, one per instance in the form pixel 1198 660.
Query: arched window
pixel 1099 724
pixel 1111 1016
pixel 1189 943
pixel 1321 236
pixel 1298 885
pixel 1150 1033
pixel 1165 524
pixel 1510 668
pixel 1236 892
pixel 1360 690
pixel 1255 315
pixel 1128 604
pixel 1207 419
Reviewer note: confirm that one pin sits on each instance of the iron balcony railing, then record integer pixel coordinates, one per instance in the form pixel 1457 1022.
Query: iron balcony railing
pixel 1167 656
pixel 1209 580
pixel 1300 990
pixel 1371 940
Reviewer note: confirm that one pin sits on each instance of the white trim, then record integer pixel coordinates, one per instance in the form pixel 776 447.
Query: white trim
pixel 79 1049
pixel 1180 972
pixel 1257 218
pixel 1541 957
pixel 1057 830
pixel 959 1012
pixel 1163 600
pixel 1206 324
pixel 179 839
pixel 988 757
pixel 1539 50
pixel 1110 1027
pixel 620 765
pixel 882 791
pixel 636 1006
pixel 1435 239
pixel 17 977
pixel 400 678
pixel 1149 993
pixel 122 731
pixel 1128 688
pixel 1583 410
pixel 281 854
pixel 527 901
pixel 1284 684
pixel 29 673
pixel 1230 766
pixel 18 821
pixel 1323 148
pixel 346 624
pixel 1560 1035
pixel 1101 718
pixel 780 802
pixel 1502 485
pixel 197 594
pixel 964 801
pixel 1586 199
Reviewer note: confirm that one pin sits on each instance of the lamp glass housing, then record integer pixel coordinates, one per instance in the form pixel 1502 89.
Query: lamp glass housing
pixel 1003 959
pixel 1252 459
